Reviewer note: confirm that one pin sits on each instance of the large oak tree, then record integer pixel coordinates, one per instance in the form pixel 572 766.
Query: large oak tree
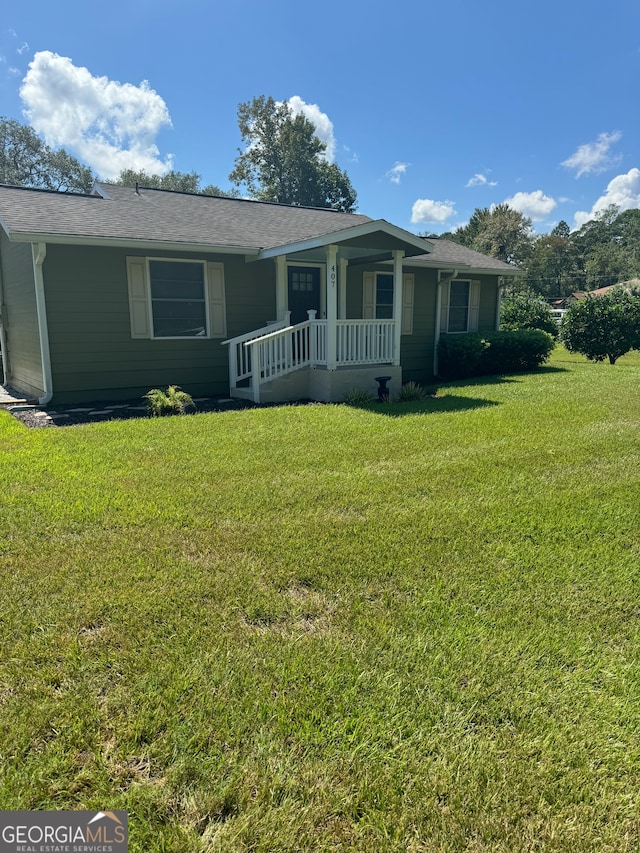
pixel 284 160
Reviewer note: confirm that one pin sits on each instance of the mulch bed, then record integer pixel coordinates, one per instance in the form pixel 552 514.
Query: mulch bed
pixel 83 413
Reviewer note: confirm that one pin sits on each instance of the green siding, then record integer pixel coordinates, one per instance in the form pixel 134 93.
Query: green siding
pixel 20 317
pixel 417 349
pixel 93 355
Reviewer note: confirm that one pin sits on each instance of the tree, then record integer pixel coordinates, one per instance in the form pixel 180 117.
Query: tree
pixel 500 232
pixel 609 247
pixel 284 161
pixel 26 161
pixel 183 182
pixel 552 267
pixel 605 326
pixel 526 309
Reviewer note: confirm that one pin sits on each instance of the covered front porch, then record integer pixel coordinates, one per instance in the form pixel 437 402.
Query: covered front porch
pixel 312 336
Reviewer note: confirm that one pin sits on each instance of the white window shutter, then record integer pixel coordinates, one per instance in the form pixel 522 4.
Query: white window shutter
pixel 474 305
pixel 138 298
pixel 217 307
pixel 407 303
pixel 368 296
pixel 444 307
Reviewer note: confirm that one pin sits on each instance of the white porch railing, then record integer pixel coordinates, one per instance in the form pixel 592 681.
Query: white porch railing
pixel 273 351
pixel 365 341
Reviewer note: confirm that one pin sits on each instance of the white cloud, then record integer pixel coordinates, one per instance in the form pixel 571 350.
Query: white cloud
pixel 594 157
pixel 427 210
pixel 480 180
pixel 397 171
pixel 322 122
pixel 111 126
pixel 623 190
pixel 23 47
pixel 536 205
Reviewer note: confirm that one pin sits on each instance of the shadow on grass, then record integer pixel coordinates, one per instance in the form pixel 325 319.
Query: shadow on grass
pixel 451 403
pixel 430 406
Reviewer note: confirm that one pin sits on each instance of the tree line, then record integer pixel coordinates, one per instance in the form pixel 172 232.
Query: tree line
pixel 283 161
pixel 605 251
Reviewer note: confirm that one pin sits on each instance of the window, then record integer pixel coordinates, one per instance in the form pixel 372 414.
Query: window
pixel 460 306
pixel 377 298
pixel 384 296
pixel 301 281
pixel 178 304
pixel 176 299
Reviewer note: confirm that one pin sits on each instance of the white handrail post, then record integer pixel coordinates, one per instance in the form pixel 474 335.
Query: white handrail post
pixel 254 379
pixel 313 336
pixel 233 366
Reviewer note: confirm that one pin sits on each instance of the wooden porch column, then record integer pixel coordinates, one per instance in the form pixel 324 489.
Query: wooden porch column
pixel 282 295
pixel 398 255
pixel 332 306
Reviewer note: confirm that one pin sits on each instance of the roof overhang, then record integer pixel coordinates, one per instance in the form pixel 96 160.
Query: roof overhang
pixel 467 269
pixel 373 236
pixel 129 243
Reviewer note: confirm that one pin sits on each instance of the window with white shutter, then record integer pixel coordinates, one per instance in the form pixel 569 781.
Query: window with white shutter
pixel 176 298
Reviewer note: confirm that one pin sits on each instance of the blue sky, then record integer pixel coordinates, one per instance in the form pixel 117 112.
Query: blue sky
pixel 433 109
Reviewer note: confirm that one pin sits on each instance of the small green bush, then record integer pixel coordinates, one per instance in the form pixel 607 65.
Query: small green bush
pixel 173 401
pixel 357 397
pixel 411 391
pixel 463 356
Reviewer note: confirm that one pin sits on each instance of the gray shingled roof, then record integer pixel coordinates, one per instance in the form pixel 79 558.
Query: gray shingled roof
pixel 180 218
pixel 446 253
pixel 166 217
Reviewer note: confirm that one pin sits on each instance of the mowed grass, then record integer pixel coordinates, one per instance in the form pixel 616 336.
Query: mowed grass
pixel 399 628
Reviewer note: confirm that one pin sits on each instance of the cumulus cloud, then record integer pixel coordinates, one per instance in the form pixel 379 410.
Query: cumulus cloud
pixel 109 125
pixel 535 205
pixel 623 191
pixel 397 171
pixel 322 122
pixel 480 180
pixel 594 157
pixel 427 210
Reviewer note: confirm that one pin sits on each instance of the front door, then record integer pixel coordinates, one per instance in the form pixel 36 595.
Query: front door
pixel 304 292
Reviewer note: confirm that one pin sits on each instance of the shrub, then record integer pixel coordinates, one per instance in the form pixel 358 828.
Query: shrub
pixel 602 327
pixel 358 397
pixel 173 401
pixel 527 310
pixel 463 356
pixel 411 391
pixel 459 356
pixel 516 351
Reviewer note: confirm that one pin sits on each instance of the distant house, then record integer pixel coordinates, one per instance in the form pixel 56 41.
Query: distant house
pixel 106 295
pixel 580 295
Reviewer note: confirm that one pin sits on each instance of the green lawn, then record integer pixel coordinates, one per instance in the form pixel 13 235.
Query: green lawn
pixel 323 628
